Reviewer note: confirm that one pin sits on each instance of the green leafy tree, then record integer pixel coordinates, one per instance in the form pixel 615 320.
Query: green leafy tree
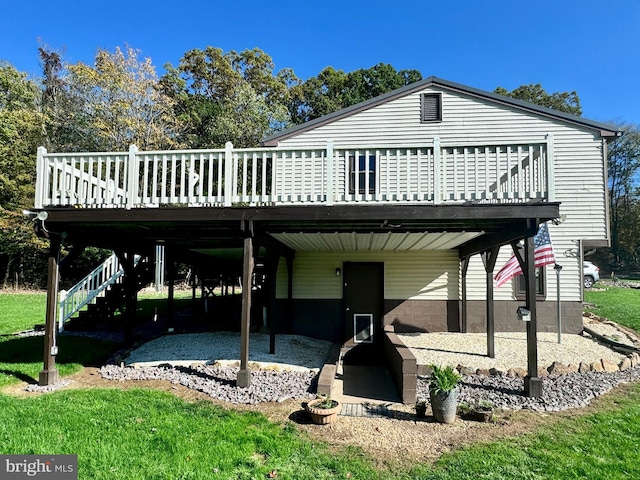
pixel 332 90
pixel 228 96
pixel 21 125
pixel 108 105
pixel 623 168
pixel 567 102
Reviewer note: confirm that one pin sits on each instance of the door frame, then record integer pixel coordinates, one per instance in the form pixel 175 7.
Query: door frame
pixel 375 308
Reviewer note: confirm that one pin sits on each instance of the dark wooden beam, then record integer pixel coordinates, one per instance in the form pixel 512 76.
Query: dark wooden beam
pixel 272 244
pixel 271 266
pixel 464 268
pixel 49 373
pixel 532 383
pixel 71 257
pixel 308 213
pixel 517 230
pixel 289 294
pixel 244 374
pixel 489 258
pixel 170 265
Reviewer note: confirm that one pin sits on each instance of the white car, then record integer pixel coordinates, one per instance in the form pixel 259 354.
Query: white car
pixel 591 274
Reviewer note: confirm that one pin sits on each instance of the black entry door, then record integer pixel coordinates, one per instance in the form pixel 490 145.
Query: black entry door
pixel 363 296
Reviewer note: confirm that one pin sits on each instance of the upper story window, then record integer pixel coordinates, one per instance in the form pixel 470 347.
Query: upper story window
pixel 431 107
pixel 365 169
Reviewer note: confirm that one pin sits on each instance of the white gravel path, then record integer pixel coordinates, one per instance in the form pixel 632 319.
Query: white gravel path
pixel 299 353
pixel 293 352
pixel 470 349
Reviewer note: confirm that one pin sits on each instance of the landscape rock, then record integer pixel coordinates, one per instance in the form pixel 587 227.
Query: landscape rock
pixel 483 371
pixel 220 382
pixel 557 368
pixel 625 364
pixel 635 359
pixel 609 366
pixel 517 372
pixel 465 370
pixel 584 367
pixel 597 367
pixel 542 372
pixel 559 392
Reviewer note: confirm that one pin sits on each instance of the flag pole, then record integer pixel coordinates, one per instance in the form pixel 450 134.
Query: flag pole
pixel 558 268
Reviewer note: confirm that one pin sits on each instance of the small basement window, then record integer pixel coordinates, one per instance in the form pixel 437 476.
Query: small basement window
pixel 541 287
pixel 431 107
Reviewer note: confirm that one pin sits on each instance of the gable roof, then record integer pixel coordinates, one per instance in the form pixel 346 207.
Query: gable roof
pixel 604 129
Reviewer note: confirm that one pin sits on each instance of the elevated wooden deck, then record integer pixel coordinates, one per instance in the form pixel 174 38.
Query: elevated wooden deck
pixel 419 174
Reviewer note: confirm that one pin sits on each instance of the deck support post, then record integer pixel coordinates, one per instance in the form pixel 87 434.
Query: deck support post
pixel 130 289
pixel 49 373
pixel 171 286
pixel 464 320
pixel 244 374
pixel 532 383
pixel 273 259
pixel 290 294
pixel 489 258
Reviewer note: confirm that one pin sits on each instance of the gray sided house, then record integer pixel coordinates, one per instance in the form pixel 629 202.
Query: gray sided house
pixel 393 214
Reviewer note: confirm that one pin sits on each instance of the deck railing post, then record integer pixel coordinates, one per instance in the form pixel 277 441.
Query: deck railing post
pixel 229 182
pixel 330 174
pixel 132 177
pixel 550 166
pixel 437 193
pixel 41 181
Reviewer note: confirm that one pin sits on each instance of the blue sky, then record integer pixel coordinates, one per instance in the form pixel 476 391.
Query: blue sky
pixel 589 46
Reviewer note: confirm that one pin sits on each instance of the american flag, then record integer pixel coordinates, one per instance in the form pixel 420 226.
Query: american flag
pixel 543 254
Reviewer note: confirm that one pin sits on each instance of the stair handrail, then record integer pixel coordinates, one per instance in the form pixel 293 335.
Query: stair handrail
pixel 86 290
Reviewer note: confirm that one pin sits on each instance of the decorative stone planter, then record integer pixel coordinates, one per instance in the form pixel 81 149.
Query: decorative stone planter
pixel 321 415
pixel 444 405
pixel 481 415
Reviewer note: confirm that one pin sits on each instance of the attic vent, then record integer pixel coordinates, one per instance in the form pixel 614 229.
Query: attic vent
pixel 431 110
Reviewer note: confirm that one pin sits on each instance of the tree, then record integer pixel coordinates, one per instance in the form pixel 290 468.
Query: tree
pixel 623 167
pixel 111 105
pixel 229 96
pixel 333 89
pixel 567 102
pixel 20 133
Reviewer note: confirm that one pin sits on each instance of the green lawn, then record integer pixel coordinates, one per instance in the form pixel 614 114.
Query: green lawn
pixel 21 311
pixel 146 434
pixel 622 305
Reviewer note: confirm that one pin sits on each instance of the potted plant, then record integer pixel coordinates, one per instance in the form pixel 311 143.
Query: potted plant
pixel 421 408
pixel 443 393
pixel 323 410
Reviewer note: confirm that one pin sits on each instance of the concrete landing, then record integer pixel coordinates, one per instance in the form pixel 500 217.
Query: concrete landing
pixel 358 384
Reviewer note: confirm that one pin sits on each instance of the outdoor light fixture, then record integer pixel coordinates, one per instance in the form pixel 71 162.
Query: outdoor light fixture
pixel 338 272
pixel 524 314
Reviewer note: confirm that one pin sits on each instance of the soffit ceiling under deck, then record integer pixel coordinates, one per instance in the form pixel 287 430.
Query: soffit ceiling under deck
pixel 390 241
pixel 338 227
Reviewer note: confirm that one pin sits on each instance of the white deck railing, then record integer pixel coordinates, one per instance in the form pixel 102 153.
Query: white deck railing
pixel 436 173
pixel 89 288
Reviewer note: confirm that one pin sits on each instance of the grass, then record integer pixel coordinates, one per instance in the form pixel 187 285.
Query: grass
pixel 622 305
pixel 602 445
pixel 21 311
pixel 146 434
pixel 21 357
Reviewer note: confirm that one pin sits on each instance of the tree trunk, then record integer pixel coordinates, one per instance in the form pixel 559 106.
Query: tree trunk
pixel 7 271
